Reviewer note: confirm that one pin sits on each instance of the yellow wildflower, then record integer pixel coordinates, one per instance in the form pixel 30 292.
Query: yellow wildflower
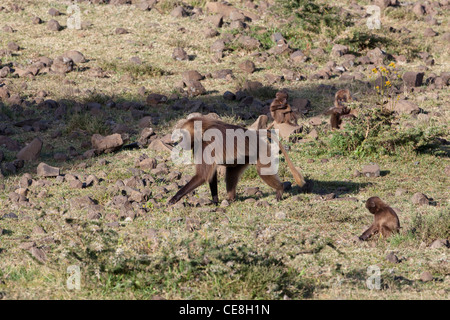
pixel 374 70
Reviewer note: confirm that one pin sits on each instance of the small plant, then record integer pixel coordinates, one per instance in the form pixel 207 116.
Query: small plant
pixel 87 123
pixel 383 84
pixel 375 132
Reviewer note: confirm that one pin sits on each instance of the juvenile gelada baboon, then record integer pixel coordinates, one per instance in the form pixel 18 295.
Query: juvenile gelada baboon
pixel 385 219
pixel 239 148
pixel 281 111
pixel 340 109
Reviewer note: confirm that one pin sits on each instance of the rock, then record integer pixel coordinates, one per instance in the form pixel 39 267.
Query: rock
pixel 195 88
pixel 145 122
pixel 249 43
pixel 413 79
pixel 420 199
pixel 12 46
pixel 440 243
pixel 53 25
pixel 426 276
pixel 179 54
pixel 31 151
pixel 219 8
pixel 218 46
pixel 247 66
pixel 281 47
pixel 76 184
pixel 148 164
pixel 229 96
pixel 158 145
pixel 210 33
pixel 222 74
pixel 36 20
pixel 53 12
pixel 76 56
pixel 392 258
pixel 121 31
pixel 429 32
pixel 154 99
pixel 178 12
pixel 339 50
pixel 376 56
pixel 418 9
pixel 62 65
pixel 146 136
pixel 298 56
pixel 136 60
pixel 7 29
pixel 44 170
pixel 371 170
pixel 251 86
pixel 192 75
pixel 107 144
pixel 405 107
pixel 38 254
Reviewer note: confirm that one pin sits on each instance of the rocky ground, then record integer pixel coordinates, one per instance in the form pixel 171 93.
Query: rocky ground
pixel 85 137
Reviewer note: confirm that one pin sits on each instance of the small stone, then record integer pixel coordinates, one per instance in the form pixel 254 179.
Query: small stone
pixel 121 31
pixel 440 243
pixel 413 79
pixel 178 12
pixel 392 258
pixel 44 170
pixel 420 199
pixel 426 276
pixel 53 25
pixel 371 170
pixel 179 54
pixel 247 66
pixel 53 12
pixel 31 151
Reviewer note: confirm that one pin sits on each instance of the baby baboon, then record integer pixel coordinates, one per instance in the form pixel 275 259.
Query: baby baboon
pixel 281 111
pixel 385 219
pixel 340 109
pixel 235 161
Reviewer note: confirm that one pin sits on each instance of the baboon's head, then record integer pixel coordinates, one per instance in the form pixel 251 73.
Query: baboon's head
pixel 342 97
pixel 374 204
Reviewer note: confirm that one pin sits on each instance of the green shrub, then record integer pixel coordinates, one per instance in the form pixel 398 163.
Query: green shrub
pixel 374 132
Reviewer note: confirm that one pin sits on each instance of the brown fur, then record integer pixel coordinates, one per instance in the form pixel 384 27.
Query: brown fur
pixel 208 172
pixel 385 222
pixel 340 109
pixel 281 111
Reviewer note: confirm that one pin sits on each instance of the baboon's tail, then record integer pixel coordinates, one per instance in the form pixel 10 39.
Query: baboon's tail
pixel 297 175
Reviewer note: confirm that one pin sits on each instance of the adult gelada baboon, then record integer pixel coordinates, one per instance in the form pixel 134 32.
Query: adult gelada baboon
pixel 218 143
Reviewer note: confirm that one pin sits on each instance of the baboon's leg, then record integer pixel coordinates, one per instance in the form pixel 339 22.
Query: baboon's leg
pixel 335 121
pixel 372 229
pixel 232 176
pixel 204 173
pixel 272 180
pixel 213 187
pixel 385 231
